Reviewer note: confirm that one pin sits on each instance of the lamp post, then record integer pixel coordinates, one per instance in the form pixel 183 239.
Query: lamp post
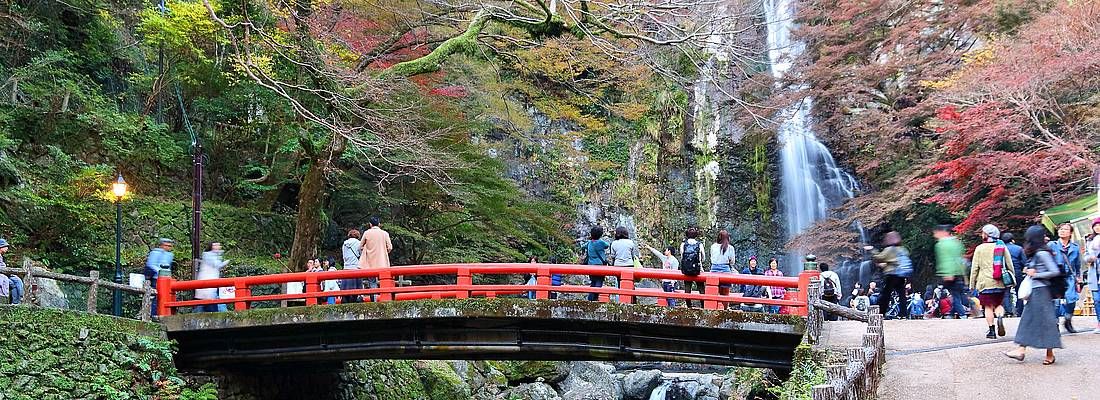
pixel 118 189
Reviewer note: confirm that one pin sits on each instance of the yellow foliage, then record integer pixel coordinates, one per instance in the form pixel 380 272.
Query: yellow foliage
pixel 972 59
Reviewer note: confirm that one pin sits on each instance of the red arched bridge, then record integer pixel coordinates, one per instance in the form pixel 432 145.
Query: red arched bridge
pixel 470 319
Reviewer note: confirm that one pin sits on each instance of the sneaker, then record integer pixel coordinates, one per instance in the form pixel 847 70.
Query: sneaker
pixel 1000 326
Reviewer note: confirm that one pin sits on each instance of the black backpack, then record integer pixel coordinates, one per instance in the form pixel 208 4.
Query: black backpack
pixel 1058 284
pixel 828 288
pixel 689 261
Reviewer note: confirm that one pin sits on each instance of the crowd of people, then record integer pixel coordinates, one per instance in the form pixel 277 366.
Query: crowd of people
pixel 1039 281
pixel 1003 278
pixel 688 258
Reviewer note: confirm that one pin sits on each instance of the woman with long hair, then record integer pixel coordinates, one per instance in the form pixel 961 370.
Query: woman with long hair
pixel 1039 325
pixel 722 258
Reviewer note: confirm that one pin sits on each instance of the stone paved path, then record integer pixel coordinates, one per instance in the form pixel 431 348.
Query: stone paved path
pixel 952 359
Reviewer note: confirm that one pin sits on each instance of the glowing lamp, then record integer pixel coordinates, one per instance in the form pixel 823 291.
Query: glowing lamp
pixel 119 188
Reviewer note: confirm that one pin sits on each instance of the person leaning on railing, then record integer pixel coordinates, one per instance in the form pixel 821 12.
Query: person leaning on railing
pixel 594 252
pixel 9 286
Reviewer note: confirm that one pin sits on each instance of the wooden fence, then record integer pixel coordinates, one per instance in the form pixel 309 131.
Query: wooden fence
pixel 857 379
pixel 31 275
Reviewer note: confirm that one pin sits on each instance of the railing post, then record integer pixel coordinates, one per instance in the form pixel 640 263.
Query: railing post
pixel 313 287
pixel 626 282
pixel 385 282
pixel 241 292
pixel 93 290
pixel 542 278
pixel 815 318
pixel 165 294
pixel 856 362
pixel 870 341
pixel 711 289
pixel 30 282
pixel 804 279
pixel 835 376
pixel 145 313
pixel 823 392
pixel 464 281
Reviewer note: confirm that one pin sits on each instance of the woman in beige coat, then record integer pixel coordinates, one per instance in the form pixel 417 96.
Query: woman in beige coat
pixel 989 266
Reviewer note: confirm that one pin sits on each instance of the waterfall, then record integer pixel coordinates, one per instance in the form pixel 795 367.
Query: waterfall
pixel 811 182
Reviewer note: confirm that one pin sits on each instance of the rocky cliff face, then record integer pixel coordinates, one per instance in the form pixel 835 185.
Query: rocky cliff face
pixel 701 165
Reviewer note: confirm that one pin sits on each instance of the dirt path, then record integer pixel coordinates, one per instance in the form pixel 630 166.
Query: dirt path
pixel 952 359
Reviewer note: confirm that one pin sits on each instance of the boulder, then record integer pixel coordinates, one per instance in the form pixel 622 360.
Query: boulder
pixel 440 381
pixel 50 295
pixel 485 382
pixel 589 380
pixel 639 384
pixel 589 391
pixel 533 391
pixel 530 371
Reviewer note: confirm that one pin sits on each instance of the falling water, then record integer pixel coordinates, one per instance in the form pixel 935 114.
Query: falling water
pixel 812 183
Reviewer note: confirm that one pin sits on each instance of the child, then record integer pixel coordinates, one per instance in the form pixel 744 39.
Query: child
pixel 331 285
pixel 861 302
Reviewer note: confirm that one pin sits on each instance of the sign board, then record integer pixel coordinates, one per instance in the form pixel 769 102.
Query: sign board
pixel 136 280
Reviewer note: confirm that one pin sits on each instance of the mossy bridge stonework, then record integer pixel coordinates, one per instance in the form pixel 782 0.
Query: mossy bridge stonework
pixel 464 320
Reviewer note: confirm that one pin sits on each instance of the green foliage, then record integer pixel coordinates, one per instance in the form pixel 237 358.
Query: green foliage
pixel 762 181
pixel 65 354
pixel 807 372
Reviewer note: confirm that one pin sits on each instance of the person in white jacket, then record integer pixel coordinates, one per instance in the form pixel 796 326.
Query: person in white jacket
pixel 210 268
pixel 330 285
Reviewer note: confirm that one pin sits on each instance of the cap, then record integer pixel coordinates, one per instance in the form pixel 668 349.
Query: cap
pixel 164 241
pixel 992 231
pixel 4 243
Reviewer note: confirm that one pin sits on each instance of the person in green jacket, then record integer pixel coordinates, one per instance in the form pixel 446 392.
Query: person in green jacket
pixel 949 266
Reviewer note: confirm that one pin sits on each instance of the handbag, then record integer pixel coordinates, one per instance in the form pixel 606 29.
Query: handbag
pixel 1025 288
pixel 1008 279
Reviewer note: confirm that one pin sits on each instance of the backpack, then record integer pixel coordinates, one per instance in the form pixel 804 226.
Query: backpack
pixel 689 261
pixel 828 288
pixel 905 264
pixel 862 303
pixel 1058 284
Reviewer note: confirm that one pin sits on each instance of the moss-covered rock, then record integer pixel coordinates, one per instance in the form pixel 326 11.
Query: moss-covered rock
pixel 531 371
pixel 441 382
pixel 382 380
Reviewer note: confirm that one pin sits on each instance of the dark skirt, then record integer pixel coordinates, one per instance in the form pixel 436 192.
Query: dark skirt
pixel 1039 325
pixel 991 298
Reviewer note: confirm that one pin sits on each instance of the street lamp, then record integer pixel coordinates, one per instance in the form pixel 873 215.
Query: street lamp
pixel 118 189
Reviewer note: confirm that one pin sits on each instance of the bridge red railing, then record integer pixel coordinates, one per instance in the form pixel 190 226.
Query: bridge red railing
pixel 464 286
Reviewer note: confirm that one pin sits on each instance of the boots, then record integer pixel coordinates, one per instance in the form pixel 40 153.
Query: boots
pixel 1068 324
pixel 1001 326
pixel 991 334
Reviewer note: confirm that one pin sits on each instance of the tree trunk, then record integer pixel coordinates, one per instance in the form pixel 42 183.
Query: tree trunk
pixel 311 200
